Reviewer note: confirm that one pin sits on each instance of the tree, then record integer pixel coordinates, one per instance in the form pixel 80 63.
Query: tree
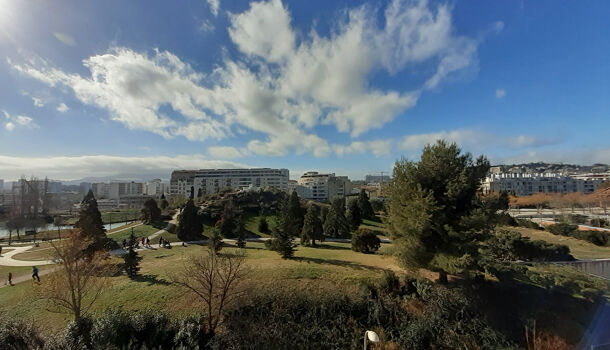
pixel 312 226
pixel 365 241
pixel 215 242
pixel 80 278
pixel 150 212
pixel 216 280
pixel 189 224
pixel 323 214
pixel 336 224
pixel 90 222
pixel 132 259
pixel 227 224
pixel 377 205
pixel 263 226
pixel 354 217
pixel 366 210
pixel 281 242
pixel 292 215
pixel 241 234
pixel 432 208
pixel 164 203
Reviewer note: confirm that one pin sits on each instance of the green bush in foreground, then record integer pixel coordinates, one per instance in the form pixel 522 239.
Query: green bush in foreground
pixel 365 241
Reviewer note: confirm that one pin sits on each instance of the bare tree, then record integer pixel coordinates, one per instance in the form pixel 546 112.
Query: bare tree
pixel 216 280
pixel 80 278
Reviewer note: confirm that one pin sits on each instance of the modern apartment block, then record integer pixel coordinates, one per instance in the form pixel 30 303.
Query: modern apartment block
pixel 525 184
pixel 208 181
pixel 323 187
pixel 117 190
pixel 155 188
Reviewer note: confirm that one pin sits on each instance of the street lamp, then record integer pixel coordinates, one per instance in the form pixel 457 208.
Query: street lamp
pixel 371 336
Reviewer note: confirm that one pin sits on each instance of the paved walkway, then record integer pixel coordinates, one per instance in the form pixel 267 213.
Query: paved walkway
pixel 25 278
pixel 7 258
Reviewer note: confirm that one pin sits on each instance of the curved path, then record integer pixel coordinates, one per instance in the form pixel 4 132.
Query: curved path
pixel 7 258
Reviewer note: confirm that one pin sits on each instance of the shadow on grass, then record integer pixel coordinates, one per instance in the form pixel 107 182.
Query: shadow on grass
pixel 330 247
pixel 160 225
pixel 151 280
pixel 349 264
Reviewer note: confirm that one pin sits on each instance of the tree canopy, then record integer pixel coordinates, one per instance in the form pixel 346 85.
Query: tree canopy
pixel 336 224
pixel 312 226
pixel 366 209
pixel 150 211
pixel 90 220
pixel 190 227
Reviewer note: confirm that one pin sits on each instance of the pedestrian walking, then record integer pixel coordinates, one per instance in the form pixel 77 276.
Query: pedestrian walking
pixel 10 278
pixel 143 242
pixel 148 242
pixel 35 273
pixel 160 242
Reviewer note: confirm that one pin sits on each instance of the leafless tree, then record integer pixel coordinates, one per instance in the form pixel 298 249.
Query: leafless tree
pixel 216 280
pixel 80 278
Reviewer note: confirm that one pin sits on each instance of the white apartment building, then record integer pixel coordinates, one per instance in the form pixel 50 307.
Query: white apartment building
pixel 209 181
pixel 155 188
pixel 116 190
pixel 524 184
pixel 323 187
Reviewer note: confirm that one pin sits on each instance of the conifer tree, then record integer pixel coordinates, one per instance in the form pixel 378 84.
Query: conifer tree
pixel 132 259
pixel 227 225
pixel 366 210
pixel 282 243
pixel 90 221
pixel 263 225
pixel 215 242
pixel 164 203
pixel 354 217
pixel 312 226
pixel 336 224
pixel 292 215
pixel 150 212
pixel 241 234
pixel 189 223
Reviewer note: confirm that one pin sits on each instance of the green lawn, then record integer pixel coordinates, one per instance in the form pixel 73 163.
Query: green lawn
pixel 330 266
pixel 138 231
pixel 578 248
pixel 251 221
pixel 17 271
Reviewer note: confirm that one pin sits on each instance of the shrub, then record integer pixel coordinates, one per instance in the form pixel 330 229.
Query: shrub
pixel 562 229
pixel 506 219
pixel 598 238
pixel 389 284
pixel 365 241
pixel 508 245
pixel 263 226
pixel 15 334
pixel 528 224
pixel 377 205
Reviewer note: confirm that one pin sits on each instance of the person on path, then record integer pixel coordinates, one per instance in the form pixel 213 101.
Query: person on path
pixel 143 242
pixel 147 242
pixel 35 273
pixel 161 242
pixel 10 278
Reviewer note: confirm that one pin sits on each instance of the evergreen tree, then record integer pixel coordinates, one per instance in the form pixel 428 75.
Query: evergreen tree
pixel 215 242
pixel 312 226
pixel 90 220
pixel 323 214
pixel 164 202
pixel 354 217
pixel 189 223
pixel 227 224
pixel 282 243
pixel 292 215
pixel 241 234
pixel 263 226
pixel 150 212
pixel 132 259
pixel 434 210
pixel 366 210
pixel 336 224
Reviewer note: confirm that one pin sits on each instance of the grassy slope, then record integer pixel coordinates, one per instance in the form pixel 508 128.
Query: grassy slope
pixel 331 266
pixel 578 248
pixel 17 271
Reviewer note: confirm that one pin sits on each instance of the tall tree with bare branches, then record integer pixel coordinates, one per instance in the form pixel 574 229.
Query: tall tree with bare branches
pixel 80 278
pixel 216 280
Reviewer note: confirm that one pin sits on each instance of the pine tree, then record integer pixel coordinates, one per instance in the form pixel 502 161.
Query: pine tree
pixel 189 224
pixel 292 215
pixel 132 259
pixel 227 224
pixel 353 215
pixel 150 212
pixel 336 224
pixel 164 202
pixel 263 226
pixel 323 214
pixel 241 234
pixel 90 221
pixel 215 242
pixel 366 210
pixel 282 243
pixel 433 208
pixel 312 226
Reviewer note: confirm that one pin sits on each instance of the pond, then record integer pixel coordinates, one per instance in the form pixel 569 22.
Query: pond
pixel 51 227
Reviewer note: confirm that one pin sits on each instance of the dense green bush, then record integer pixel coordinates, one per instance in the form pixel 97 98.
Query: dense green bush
pixel 509 245
pixel 562 229
pixel 599 238
pixel 505 219
pixel 365 241
pixel 528 224
pixel 377 204
pixel 18 335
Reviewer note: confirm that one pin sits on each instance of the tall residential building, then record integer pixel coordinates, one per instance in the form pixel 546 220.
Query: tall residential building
pixel 155 188
pixel 117 190
pixel 209 181
pixel 324 187
pixel 525 184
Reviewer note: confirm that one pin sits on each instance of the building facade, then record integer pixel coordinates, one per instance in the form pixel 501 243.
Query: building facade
pixel 155 188
pixel 117 190
pixel 208 181
pixel 525 184
pixel 323 187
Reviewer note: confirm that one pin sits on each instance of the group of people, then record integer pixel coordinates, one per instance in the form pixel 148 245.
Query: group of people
pixel 145 242
pixel 164 243
pixel 35 276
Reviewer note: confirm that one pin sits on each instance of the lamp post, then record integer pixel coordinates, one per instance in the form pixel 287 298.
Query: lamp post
pixel 371 336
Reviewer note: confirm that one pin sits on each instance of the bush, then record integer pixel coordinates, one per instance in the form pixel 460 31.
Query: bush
pixel 263 226
pixel 508 245
pixel 598 238
pixel 506 219
pixel 378 205
pixel 15 334
pixel 528 224
pixel 576 219
pixel 365 241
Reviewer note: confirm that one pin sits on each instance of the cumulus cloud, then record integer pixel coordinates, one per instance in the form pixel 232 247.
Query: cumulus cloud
pixel 214 6
pixel 62 108
pixel 65 38
pixel 226 152
pixel 500 93
pixel 71 168
pixel 13 121
pixel 377 147
pixel 38 102
pixel 278 86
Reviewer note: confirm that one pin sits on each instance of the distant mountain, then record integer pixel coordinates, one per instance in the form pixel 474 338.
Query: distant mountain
pixel 121 177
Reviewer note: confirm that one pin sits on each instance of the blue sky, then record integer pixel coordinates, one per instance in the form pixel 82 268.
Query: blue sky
pixel 141 87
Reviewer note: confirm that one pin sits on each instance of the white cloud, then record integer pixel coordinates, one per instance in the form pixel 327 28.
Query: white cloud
pixel 65 38
pixel 62 108
pixel 226 152
pixel 499 26
pixel 13 121
pixel 377 147
pixel 278 86
pixel 76 167
pixel 206 26
pixel 500 93
pixel 214 6
pixel 38 102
